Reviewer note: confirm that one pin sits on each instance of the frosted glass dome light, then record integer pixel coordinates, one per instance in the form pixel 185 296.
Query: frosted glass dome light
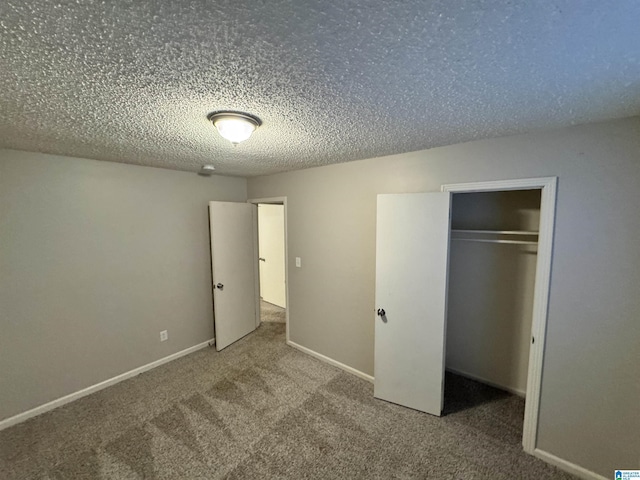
pixel 235 127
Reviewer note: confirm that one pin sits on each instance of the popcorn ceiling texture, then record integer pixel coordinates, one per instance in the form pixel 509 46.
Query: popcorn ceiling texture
pixel 133 81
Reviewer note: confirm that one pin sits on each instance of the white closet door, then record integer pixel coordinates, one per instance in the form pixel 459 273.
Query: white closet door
pixel 233 257
pixel 412 246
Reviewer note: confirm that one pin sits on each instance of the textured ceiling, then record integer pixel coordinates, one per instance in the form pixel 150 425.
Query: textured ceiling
pixel 133 81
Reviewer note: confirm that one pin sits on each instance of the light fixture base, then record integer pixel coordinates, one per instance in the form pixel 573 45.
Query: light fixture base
pixel 207 170
pixel 234 126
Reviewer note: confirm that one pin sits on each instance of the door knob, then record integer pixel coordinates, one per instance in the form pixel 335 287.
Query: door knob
pixel 381 312
pixel 219 286
pixel 262 259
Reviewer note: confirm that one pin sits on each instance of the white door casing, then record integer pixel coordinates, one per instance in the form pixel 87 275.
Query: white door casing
pixel 548 185
pixel 233 253
pixel 279 201
pixel 412 256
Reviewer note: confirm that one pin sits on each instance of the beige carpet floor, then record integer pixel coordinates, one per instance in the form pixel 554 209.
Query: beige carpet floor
pixel 271 313
pixel 261 409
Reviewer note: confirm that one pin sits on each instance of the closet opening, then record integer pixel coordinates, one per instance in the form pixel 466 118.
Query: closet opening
pixel 493 259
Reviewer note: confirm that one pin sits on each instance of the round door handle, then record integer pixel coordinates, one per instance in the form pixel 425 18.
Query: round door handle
pixel 219 286
pixel 381 312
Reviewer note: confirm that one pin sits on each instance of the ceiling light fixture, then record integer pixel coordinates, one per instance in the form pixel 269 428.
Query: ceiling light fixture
pixel 235 127
pixel 207 170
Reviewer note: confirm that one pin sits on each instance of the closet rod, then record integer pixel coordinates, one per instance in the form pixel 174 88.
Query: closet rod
pixel 487 240
pixel 497 232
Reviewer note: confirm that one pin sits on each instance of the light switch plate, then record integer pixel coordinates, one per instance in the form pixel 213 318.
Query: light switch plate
pixel 298 262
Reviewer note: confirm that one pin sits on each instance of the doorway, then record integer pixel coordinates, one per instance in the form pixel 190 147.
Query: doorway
pixel 413 232
pixel 519 206
pixel 272 262
pixel 492 270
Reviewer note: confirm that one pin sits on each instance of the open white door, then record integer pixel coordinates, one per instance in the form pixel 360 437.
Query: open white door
pixel 412 256
pixel 233 256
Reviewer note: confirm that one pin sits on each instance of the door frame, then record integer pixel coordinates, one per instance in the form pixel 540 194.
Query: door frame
pixel 274 201
pixel 548 187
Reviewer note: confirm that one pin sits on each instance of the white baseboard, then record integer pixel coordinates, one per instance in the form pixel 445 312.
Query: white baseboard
pixel 21 417
pixel 565 465
pixel 331 361
pixel 562 464
pixel 569 467
pixel 515 391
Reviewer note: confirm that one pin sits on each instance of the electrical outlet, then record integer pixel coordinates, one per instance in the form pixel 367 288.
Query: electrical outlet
pixel 164 336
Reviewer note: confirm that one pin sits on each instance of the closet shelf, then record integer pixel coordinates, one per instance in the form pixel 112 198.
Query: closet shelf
pixel 497 240
pixel 497 233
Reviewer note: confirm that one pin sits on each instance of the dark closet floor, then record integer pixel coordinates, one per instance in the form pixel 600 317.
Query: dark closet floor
pixel 492 411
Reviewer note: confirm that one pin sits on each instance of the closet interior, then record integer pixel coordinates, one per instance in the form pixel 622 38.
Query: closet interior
pixel 492 269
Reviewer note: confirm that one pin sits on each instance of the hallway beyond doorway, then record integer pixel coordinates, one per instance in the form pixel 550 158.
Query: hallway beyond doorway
pixel 272 313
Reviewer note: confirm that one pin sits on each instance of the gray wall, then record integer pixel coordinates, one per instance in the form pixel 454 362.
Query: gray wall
pixel 590 413
pixel 96 259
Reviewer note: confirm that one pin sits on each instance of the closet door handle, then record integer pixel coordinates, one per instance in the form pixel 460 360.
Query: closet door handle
pixel 381 312
pixel 219 286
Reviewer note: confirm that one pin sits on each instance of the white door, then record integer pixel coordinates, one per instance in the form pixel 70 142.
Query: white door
pixel 271 246
pixel 412 245
pixel 233 254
